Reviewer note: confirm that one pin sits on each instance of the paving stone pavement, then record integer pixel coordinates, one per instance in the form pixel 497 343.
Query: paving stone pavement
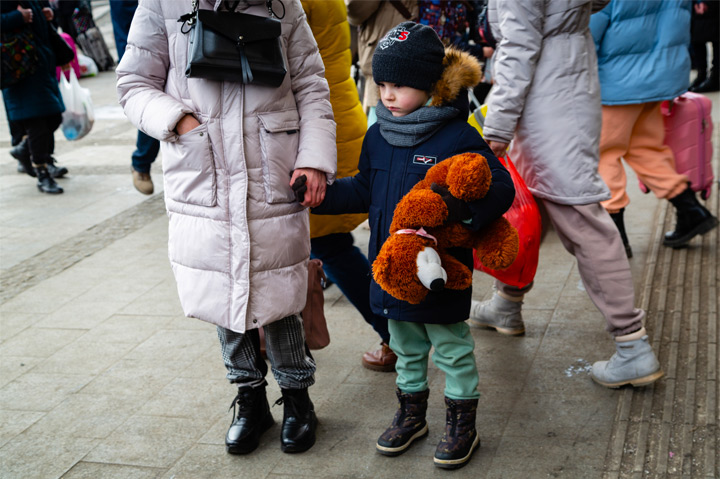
pixel 101 375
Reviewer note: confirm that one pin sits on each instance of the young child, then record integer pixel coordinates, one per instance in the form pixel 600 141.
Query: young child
pixel 411 67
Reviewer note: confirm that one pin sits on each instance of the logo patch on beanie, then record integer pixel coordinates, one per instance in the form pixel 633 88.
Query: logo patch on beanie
pixel 396 35
pixel 424 160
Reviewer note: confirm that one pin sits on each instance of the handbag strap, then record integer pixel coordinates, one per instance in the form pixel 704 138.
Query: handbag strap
pixel 401 8
pixel 188 20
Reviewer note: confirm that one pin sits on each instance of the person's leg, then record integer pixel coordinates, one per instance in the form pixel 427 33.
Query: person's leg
pixel 20 150
pixel 654 164
pixel 588 233
pixel 698 60
pixel 503 311
pixel 146 150
pixel 247 369
pixel 345 265
pixel 617 125
pixel 121 15
pixel 412 346
pixel 454 346
pixel 294 369
pixel 650 158
pixel 712 82
pixel 40 132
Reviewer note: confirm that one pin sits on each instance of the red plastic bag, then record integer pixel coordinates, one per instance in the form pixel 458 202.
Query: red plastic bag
pixel 524 215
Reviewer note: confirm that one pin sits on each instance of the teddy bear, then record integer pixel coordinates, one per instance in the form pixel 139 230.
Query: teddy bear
pixel 414 258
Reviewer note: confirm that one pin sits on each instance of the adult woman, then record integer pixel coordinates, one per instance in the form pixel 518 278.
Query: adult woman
pixel 547 96
pixel 33 105
pixel 238 239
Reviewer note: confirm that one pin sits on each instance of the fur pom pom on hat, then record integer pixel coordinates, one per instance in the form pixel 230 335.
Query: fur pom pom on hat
pixel 410 54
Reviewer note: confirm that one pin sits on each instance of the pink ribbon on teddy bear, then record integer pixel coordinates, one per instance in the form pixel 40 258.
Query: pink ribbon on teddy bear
pixel 419 232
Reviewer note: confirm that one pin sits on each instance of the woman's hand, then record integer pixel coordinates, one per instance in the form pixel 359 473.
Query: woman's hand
pixel 311 191
pixel 498 147
pixel 26 13
pixel 49 14
pixel 186 124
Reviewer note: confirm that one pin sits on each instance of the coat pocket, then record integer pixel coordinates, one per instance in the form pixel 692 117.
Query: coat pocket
pixel 279 133
pixel 189 169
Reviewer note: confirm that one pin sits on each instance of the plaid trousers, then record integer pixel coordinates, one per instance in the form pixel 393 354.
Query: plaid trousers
pixel 292 364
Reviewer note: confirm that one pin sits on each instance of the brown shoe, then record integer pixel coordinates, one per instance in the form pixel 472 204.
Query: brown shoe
pixel 383 359
pixel 142 182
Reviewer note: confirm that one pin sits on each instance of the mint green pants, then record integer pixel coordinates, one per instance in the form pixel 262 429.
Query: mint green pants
pixel 453 354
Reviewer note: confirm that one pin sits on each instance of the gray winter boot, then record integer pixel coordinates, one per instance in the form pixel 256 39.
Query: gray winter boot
pixel 501 312
pixel 633 363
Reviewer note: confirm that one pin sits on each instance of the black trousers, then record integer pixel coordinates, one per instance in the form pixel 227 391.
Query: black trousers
pixel 40 136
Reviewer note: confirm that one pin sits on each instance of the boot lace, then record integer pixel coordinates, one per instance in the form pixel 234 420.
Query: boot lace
pixel 241 405
pixel 290 406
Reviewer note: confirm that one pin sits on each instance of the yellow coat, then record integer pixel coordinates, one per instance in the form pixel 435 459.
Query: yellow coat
pixel 329 25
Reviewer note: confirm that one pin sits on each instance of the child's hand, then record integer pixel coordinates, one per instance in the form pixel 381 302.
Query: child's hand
pixel 313 187
pixel 299 186
pixel 457 209
pixel 49 14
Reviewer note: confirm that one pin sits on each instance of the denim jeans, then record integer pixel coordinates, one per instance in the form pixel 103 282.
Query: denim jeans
pixel 345 265
pixel 121 15
pixel 146 150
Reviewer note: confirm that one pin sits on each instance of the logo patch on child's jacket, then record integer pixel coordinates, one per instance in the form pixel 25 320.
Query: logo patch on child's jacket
pixel 396 35
pixel 424 160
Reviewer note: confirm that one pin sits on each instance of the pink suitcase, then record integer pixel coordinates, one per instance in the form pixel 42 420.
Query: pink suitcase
pixel 688 132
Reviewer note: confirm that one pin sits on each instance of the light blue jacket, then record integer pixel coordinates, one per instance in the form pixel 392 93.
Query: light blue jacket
pixel 642 49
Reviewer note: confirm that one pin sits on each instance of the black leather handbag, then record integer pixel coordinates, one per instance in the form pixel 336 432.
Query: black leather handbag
pixel 239 47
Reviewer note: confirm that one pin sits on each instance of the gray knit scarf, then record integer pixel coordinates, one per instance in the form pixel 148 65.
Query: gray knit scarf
pixel 413 128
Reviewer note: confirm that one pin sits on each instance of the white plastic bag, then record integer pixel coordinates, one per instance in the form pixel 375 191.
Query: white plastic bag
pixel 88 68
pixel 79 116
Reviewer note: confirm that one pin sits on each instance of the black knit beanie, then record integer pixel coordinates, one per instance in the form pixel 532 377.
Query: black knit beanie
pixel 410 54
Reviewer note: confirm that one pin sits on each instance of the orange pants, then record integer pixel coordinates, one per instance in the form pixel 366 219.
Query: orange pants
pixel 635 133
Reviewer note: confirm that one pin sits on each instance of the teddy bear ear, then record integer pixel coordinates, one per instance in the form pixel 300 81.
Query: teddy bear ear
pixel 469 176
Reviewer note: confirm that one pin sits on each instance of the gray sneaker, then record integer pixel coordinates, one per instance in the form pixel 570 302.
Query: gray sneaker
pixel 498 313
pixel 633 363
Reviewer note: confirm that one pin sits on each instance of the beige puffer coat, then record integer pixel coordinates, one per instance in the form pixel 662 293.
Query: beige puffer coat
pixel 238 240
pixel 547 95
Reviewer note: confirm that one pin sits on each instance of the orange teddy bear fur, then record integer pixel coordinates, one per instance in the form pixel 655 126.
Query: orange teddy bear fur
pixel 468 177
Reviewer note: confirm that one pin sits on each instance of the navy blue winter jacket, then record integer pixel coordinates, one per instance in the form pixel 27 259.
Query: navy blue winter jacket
pixel 37 95
pixel 386 174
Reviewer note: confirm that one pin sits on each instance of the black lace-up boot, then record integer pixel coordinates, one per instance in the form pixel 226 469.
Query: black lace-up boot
pixel 461 438
pixel 251 418
pixel 408 424
pixel 692 219
pixel 619 220
pixel 21 152
pixel 45 182
pixel 299 420
pixel 56 171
